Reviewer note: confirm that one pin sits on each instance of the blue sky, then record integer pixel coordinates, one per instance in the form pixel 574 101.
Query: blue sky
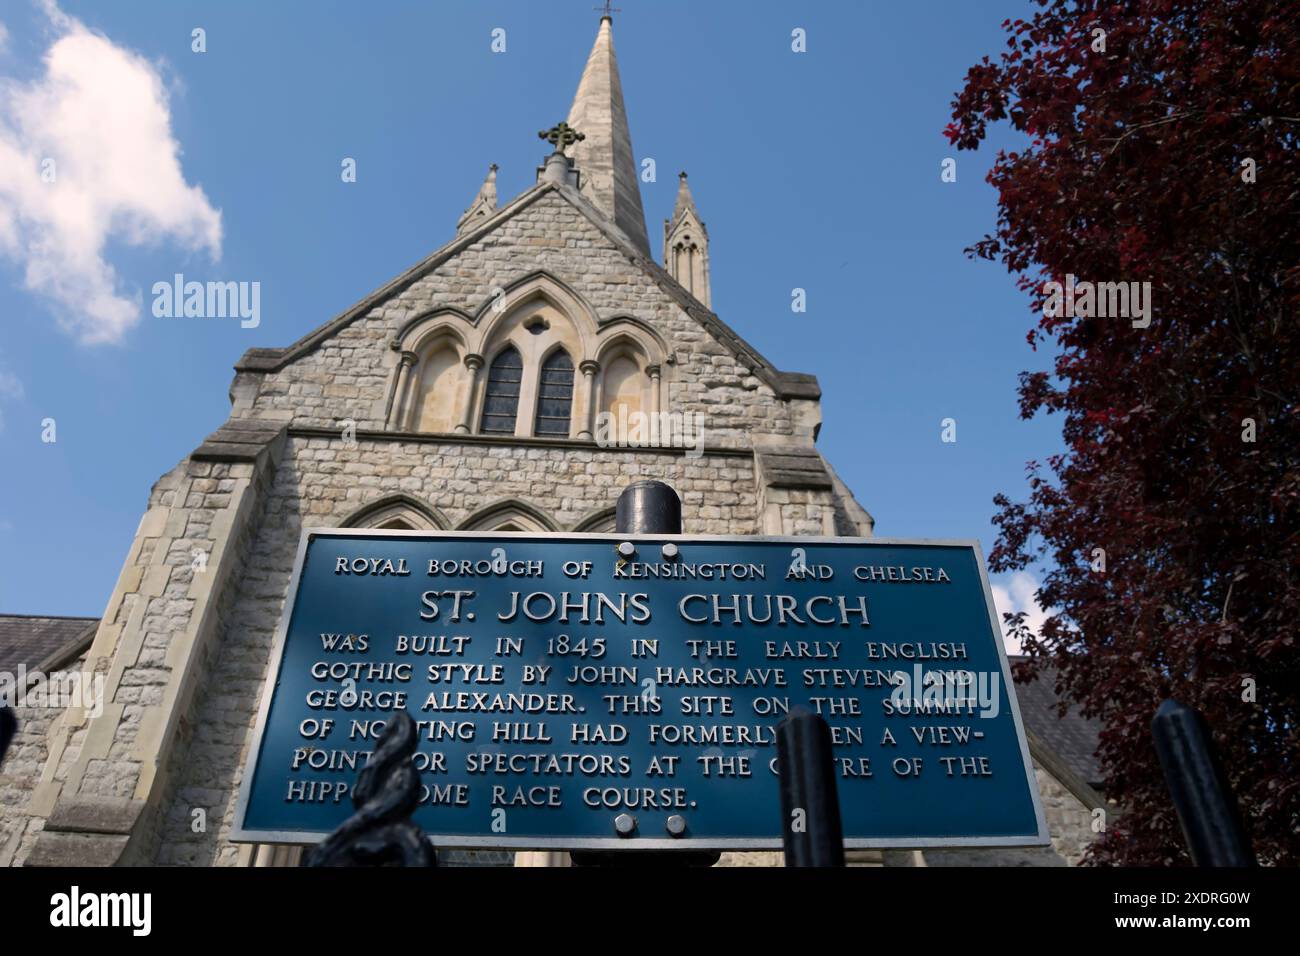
pixel 817 170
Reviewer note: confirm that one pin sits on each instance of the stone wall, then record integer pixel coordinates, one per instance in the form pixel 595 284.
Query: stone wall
pixel 20 775
pixel 1069 823
pixel 1069 820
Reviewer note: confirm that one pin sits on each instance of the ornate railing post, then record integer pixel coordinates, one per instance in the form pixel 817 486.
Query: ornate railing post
pixel 1207 808
pixel 381 832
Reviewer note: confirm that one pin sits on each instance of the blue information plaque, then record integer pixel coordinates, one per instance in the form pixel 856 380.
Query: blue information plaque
pixel 560 681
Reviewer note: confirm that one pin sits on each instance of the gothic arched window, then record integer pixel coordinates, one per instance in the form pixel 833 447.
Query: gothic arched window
pixel 555 395
pixel 501 401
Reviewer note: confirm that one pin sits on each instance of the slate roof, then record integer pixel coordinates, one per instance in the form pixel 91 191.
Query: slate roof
pixel 33 639
pixel 1072 737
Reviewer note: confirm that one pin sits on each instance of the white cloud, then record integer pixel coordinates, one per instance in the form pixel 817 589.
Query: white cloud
pixel 101 113
pixel 1019 593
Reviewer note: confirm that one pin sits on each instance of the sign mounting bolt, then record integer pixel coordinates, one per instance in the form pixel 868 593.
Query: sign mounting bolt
pixel 626 549
pixel 676 824
pixel 625 824
pixel 670 551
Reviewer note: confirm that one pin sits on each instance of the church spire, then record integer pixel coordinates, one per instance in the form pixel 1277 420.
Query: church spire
pixel 484 204
pixel 605 159
pixel 685 200
pixel 686 245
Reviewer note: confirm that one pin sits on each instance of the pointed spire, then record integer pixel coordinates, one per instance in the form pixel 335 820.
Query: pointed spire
pixel 684 198
pixel 484 204
pixel 604 159
pixel 686 245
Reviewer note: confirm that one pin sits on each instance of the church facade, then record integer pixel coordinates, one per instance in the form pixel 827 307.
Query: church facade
pixel 516 379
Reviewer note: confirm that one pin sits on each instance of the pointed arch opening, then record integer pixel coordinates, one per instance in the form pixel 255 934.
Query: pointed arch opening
pixel 600 520
pixel 438 394
pixel 510 515
pixel 429 382
pixel 397 513
pixel 555 396
pixel 625 387
pixel 501 396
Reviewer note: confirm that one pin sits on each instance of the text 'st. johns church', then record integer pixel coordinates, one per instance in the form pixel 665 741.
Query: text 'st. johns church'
pixel 516 379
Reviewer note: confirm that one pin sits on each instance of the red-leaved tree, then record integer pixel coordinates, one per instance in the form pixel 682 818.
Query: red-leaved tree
pixel 1161 148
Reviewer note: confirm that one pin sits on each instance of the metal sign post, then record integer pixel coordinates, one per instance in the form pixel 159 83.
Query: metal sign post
pixel 646 507
pixel 810 806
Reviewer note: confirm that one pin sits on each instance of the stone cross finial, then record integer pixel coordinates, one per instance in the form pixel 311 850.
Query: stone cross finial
pixel 607 11
pixel 562 135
